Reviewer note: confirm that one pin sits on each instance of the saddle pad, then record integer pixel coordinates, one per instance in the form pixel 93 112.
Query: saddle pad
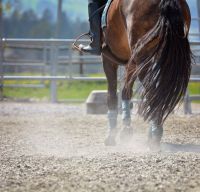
pixel 104 14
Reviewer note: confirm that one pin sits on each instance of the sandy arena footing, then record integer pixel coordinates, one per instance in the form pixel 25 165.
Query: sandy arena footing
pixel 57 147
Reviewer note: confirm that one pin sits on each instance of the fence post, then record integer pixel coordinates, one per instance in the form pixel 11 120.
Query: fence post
pixel 187 104
pixel 1 50
pixel 198 13
pixel 70 62
pixel 53 69
pixel 81 63
pixel 45 61
pixel 1 69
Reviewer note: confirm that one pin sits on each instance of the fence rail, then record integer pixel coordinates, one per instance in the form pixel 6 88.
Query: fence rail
pixel 54 78
pixel 51 58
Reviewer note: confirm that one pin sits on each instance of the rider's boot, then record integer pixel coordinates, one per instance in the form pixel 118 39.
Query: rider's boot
pixel 94 47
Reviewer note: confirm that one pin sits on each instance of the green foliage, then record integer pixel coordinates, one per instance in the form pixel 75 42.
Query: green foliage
pixel 28 25
pixel 74 90
pixel 66 90
pixel 78 90
pixel 194 88
pixel 74 8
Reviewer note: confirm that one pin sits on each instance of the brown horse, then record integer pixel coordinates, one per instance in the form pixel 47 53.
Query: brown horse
pixel 150 38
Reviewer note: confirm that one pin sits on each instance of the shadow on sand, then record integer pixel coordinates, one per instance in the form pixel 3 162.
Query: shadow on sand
pixel 170 147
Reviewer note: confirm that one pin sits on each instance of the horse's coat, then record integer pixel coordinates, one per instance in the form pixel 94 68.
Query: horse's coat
pixel 151 39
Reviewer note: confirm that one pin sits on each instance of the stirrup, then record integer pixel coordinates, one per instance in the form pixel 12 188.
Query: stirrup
pixel 76 46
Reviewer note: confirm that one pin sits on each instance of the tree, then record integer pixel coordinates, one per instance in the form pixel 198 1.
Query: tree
pixel 198 10
pixel 9 4
pixel 44 27
pixel 66 29
pixel 27 22
pixel 28 25
pixel 12 25
pixel 59 17
pixel 79 27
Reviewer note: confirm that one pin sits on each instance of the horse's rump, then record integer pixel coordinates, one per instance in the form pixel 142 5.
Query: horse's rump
pixel 160 49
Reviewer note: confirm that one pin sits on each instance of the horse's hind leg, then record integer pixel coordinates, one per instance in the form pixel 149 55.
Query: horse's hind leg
pixel 155 134
pixel 110 70
pixel 155 131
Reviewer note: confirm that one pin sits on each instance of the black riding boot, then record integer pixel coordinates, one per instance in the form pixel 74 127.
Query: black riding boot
pixel 95 30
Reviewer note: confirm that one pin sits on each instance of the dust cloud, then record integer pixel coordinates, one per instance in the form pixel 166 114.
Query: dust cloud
pixel 57 147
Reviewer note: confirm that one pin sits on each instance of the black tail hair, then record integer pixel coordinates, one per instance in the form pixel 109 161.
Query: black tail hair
pixel 165 70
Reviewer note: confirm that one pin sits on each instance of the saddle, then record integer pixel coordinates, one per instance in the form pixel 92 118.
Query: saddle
pixel 104 14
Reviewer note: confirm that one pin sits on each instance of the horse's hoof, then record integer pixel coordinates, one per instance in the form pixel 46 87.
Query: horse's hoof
pixel 154 145
pixel 110 141
pixel 111 136
pixel 126 134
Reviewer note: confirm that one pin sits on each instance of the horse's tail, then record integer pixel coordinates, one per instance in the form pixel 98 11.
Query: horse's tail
pixel 165 72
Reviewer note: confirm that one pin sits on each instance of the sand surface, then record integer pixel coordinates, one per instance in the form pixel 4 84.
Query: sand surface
pixel 58 147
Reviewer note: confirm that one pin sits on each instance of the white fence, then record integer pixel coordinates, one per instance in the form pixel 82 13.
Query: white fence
pixel 51 58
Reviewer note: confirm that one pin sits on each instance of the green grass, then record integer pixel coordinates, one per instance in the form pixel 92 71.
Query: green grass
pixel 194 88
pixel 78 90
pixel 65 90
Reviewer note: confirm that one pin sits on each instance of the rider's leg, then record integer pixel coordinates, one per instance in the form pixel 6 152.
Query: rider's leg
pixel 95 29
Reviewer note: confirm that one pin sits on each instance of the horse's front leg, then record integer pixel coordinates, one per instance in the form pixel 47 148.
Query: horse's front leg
pixel 110 70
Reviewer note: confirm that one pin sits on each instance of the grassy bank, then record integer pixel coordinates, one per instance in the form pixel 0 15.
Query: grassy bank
pixel 67 90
